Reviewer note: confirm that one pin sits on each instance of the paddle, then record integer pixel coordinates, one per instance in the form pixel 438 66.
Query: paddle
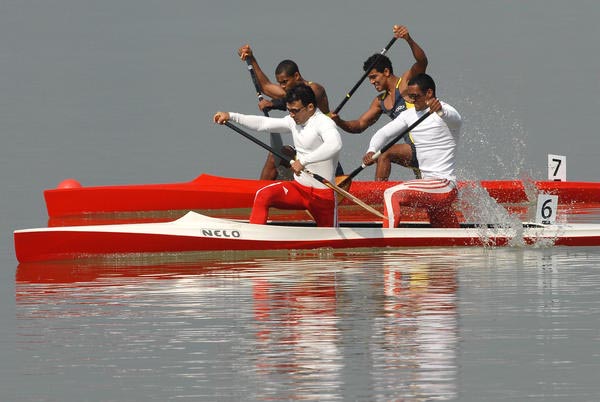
pixel 367 71
pixel 317 177
pixel 275 139
pixel 385 148
pixel 346 181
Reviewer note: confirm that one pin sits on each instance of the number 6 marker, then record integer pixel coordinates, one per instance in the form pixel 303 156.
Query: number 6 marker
pixel 546 209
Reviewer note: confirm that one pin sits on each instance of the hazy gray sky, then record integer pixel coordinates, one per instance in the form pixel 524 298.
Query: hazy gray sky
pixel 123 91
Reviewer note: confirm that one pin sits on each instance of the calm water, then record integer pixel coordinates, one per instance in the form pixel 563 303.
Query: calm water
pixel 414 325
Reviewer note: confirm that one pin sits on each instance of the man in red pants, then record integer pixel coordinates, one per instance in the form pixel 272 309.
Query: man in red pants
pixel 435 141
pixel 318 144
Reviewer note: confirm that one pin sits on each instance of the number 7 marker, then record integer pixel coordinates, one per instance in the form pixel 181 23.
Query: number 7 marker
pixel 557 167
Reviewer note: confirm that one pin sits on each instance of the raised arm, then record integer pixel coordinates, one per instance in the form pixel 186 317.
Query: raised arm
pixel 267 87
pixel 421 61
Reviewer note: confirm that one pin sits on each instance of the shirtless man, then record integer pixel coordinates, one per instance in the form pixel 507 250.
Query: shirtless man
pixel 391 101
pixel 287 75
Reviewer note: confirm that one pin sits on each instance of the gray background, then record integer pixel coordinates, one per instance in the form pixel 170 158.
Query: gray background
pixel 123 91
pixel 119 91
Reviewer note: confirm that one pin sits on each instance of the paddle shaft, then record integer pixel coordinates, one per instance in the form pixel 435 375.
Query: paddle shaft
pixel 387 146
pixel 259 94
pixel 317 177
pixel 367 71
pixel 276 140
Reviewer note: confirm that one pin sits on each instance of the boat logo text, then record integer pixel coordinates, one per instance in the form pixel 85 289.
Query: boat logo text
pixel 220 233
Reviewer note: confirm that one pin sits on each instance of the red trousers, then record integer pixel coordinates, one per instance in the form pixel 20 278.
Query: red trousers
pixel 320 203
pixel 435 195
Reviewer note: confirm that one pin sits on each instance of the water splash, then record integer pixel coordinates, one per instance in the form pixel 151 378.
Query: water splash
pixel 478 207
pixel 493 141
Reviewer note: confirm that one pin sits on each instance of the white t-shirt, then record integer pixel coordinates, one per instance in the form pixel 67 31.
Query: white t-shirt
pixel 435 139
pixel 318 142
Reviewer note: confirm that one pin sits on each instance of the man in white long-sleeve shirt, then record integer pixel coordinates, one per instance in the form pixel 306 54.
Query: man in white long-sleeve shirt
pixel 318 144
pixel 435 142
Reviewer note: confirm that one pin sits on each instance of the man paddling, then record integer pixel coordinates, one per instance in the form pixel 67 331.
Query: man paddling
pixel 435 140
pixel 391 101
pixel 287 75
pixel 318 144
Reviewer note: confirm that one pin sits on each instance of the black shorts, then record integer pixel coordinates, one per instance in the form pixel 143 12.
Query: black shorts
pixel 414 162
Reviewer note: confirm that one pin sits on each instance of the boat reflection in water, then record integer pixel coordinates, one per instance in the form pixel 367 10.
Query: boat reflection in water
pixel 420 328
pixel 309 326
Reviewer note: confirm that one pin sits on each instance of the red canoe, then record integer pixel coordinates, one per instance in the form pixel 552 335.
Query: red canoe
pixel 208 192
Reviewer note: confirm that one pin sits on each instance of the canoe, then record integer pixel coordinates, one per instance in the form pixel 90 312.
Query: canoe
pixel 208 192
pixel 195 232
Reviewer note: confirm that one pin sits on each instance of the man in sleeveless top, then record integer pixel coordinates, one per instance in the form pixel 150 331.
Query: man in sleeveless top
pixel 391 101
pixel 287 75
pixel 435 140
pixel 318 144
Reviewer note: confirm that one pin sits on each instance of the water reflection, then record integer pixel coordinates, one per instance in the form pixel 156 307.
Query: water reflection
pixel 297 338
pixel 316 327
pixel 415 324
pixel 419 326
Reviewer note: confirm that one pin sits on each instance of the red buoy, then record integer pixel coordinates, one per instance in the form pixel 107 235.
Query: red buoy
pixel 69 183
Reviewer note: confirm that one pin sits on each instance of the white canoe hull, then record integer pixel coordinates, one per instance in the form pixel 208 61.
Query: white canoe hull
pixel 196 233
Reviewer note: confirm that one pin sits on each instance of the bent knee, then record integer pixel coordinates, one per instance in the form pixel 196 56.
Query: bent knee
pixel 271 159
pixel 400 154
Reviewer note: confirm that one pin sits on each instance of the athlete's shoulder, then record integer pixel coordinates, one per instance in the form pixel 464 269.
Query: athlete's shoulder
pixel 320 116
pixel 317 88
pixel 322 119
pixel 288 120
pixel 444 104
pixel 313 84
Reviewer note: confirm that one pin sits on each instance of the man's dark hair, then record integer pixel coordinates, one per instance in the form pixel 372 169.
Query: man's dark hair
pixel 288 67
pixel 382 63
pixel 424 82
pixel 301 92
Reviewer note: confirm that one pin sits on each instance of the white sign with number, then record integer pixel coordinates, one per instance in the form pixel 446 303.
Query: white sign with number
pixel 546 209
pixel 557 167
